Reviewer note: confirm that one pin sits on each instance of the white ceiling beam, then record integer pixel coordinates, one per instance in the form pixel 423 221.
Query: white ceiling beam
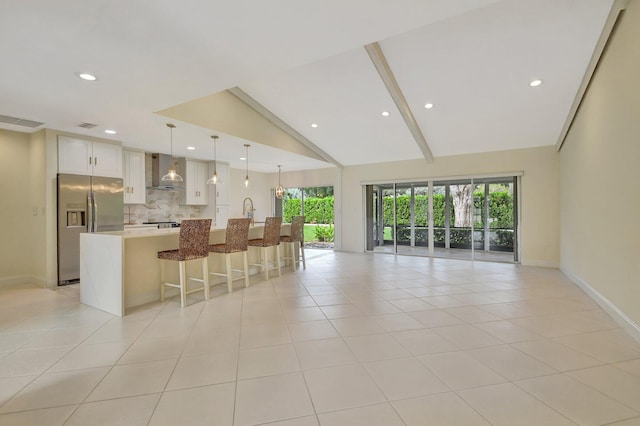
pixel 262 110
pixel 617 7
pixel 382 66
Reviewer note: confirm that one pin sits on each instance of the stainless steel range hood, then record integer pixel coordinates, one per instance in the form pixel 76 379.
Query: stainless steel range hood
pixel 160 164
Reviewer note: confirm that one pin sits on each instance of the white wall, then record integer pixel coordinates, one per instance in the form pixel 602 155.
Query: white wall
pixel 600 159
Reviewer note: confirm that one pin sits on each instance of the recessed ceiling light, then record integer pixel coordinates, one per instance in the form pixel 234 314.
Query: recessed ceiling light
pixel 191 148
pixel 314 125
pixel 385 113
pixel 243 158
pixel 535 83
pixel 87 76
pixel 428 105
pixel 111 132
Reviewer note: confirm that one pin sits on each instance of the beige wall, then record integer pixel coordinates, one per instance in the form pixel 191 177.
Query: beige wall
pixel 37 194
pixel 20 208
pixel 539 192
pixel 600 159
pixel 259 191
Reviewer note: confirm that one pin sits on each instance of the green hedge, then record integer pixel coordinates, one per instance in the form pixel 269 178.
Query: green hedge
pixel 500 209
pixel 316 210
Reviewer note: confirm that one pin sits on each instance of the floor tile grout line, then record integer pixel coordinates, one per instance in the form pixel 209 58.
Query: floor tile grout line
pixel 371 288
pixel 566 374
pixel 515 383
pixel 111 367
pixel 155 407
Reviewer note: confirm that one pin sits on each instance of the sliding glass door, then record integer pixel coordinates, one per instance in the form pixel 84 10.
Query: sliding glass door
pixel 461 219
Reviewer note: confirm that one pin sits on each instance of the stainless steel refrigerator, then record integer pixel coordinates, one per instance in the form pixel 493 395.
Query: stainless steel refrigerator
pixel 85 204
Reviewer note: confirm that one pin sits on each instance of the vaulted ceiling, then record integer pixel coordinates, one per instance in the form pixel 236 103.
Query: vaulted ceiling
pixel 262 72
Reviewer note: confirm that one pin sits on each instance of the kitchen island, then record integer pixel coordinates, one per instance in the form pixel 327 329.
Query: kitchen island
pixel 119 270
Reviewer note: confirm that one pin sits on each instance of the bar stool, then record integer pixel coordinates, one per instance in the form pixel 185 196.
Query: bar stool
pixel 193 244
pixel 236 238
pixel 270 238
pixel 297 236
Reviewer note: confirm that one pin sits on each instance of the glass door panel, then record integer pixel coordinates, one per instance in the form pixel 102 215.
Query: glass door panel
pixel 421 222
pixel 501 220
pixel 404 219
pixel 291 204
pixel 480 228
pixel 440 219
pixel 380 218
pixel 453 219
pixel 460 219
pixel 388 219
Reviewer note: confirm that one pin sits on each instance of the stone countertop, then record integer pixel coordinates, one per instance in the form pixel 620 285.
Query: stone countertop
pixel 148 232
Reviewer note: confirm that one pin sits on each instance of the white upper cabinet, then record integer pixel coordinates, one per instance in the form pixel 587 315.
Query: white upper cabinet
pixel 84 157
pixel 196 190
pixel 134 177
pixel 222 187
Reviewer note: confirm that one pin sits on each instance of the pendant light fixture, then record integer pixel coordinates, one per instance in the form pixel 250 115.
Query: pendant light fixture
pixel 171 176
pixel 279 188
pixel 214 177
pixel 246 177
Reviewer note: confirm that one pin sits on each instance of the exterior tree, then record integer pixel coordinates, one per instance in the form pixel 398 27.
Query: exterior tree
pixel 462 197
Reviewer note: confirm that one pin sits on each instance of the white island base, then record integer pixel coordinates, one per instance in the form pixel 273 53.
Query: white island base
pixel 120 270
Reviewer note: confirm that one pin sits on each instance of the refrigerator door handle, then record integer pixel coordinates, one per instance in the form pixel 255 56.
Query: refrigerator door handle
pixel 89 212
pixel 95 214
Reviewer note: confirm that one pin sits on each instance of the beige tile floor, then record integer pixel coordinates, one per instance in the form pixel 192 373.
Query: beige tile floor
pixel 352 340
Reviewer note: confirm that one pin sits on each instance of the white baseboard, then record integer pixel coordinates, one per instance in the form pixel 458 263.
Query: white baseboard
pixel 623 320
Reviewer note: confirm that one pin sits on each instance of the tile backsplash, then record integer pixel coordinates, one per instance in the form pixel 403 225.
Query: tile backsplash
pixel 161 205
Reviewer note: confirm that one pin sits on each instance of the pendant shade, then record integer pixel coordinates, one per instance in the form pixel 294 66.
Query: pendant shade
pixel 279 188
pixel 171 176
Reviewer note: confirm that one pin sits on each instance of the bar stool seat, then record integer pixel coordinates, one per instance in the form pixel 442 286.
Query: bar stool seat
pixel 193 244
pixel 296 238
pixel 270 238
pixel 236 239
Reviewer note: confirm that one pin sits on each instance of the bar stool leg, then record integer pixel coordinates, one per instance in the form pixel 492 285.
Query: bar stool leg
pixel 205 277
pixel 291 253
pixel 266 262
pixel 278 260
pixel 304 262
pixel 227 260
pixel 183 284
pixel 245 261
